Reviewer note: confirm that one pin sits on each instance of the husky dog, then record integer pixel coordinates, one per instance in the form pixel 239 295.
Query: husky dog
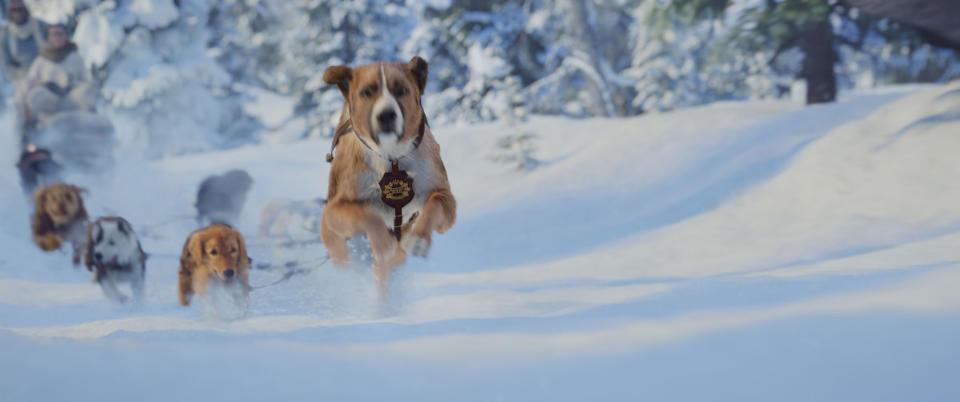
pixel 114 255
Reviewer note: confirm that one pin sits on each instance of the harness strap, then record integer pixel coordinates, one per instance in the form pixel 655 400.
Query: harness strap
pixel 347 128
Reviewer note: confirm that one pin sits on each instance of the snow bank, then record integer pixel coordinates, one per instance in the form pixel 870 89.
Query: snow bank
pixel 713 246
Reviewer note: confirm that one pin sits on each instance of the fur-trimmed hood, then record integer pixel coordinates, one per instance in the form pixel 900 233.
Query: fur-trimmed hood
pixel 57 55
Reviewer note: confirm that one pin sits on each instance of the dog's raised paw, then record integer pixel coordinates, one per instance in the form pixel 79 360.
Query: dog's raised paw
pixel 48 242
pixel 416 246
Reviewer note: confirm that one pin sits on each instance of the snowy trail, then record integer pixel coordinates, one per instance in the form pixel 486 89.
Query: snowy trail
pixel 711 246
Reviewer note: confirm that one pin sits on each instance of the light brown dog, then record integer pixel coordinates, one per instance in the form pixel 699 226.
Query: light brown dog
pixel 58 217
pixel 214 253
pixel 387 179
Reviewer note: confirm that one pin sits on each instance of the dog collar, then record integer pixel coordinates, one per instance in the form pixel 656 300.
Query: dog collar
pixel 347 128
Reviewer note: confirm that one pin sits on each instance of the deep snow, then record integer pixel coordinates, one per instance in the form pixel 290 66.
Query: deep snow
pixel 737 251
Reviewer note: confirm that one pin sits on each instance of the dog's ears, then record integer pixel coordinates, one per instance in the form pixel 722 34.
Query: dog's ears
pixel 242 259
pixel 96 233
pixel 339 76
pixel 37 196
pixel 418 67
pixel 194 248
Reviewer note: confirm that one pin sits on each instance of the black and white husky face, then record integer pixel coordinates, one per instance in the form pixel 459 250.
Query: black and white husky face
pixel 113 242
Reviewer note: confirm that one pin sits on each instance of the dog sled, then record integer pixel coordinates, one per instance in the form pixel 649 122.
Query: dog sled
pixel 71 141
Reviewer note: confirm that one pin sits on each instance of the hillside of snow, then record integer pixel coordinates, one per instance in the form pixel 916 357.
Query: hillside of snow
pixel 737 251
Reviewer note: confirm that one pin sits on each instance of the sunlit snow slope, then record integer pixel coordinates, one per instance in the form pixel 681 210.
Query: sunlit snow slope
pixel 738 251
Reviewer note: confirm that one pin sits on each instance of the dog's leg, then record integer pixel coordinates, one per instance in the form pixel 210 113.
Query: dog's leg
pixel 76 235
pixel 199 284
pixel 438 215
pixel 243 294
pixel 109 286
pixel 137 283
pixel 47 241
pixel 186 286
pixel 346 219
pixel 336 244
pixel 77 252
pixel 381 274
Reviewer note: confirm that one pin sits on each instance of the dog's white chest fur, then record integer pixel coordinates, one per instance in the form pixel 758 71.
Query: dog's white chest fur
pixel 422 172
pixel 117 257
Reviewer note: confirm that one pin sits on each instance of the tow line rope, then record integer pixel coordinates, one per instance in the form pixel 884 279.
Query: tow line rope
pixel 293 270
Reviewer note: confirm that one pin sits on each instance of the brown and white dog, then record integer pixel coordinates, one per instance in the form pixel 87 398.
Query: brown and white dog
pixel 114 255
pixel 58 217
pixel 387 179
pixel 214 254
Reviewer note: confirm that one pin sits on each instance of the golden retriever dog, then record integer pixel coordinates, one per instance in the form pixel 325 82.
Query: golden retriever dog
pixel 58 217
pixel 214 254
pixel 387 179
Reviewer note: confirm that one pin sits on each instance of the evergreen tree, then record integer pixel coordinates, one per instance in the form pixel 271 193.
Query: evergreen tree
pixel 820 30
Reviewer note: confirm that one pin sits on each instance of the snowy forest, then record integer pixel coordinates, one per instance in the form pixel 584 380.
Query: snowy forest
pixel 183 76
pixel 610 200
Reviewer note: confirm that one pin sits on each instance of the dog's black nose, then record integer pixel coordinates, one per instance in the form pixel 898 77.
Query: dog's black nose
pixel 228 273
pixel 98 257
pixel 386 119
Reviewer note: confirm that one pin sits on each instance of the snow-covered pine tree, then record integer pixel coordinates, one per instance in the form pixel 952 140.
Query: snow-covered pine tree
pixel 802 38
pixel 471 46
pixel 246 36
pixel 162 89
pixel 672 63
pixel 318 34
pixel 585 53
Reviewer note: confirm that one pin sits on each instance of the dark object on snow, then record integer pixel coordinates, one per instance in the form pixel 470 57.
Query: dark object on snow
pixel 220 199
pixel 37 168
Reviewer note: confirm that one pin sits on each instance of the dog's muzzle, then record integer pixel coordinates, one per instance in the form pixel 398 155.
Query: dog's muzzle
pixel 388 121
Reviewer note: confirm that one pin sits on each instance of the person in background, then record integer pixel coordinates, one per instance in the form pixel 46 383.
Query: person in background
pixel 58 80
pixel 20 41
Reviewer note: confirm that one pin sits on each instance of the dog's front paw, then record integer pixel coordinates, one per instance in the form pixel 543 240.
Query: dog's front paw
pixel 416 246
pixel 47 242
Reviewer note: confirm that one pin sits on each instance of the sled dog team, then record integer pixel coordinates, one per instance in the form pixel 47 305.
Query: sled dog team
pixel 387 181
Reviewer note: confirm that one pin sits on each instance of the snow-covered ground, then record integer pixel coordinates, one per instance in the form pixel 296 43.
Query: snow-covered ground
pixel 737 251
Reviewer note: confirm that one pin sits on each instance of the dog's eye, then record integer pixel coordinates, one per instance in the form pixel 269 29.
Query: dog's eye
pixel 233 250
pixel 69 197
pixel 366 93
pixel 213 252
pixel 400 91
pixel 110 243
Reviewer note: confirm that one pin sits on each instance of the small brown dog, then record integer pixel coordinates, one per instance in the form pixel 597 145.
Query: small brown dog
pixel 387 179
pixel 214 253
pixel 58 217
